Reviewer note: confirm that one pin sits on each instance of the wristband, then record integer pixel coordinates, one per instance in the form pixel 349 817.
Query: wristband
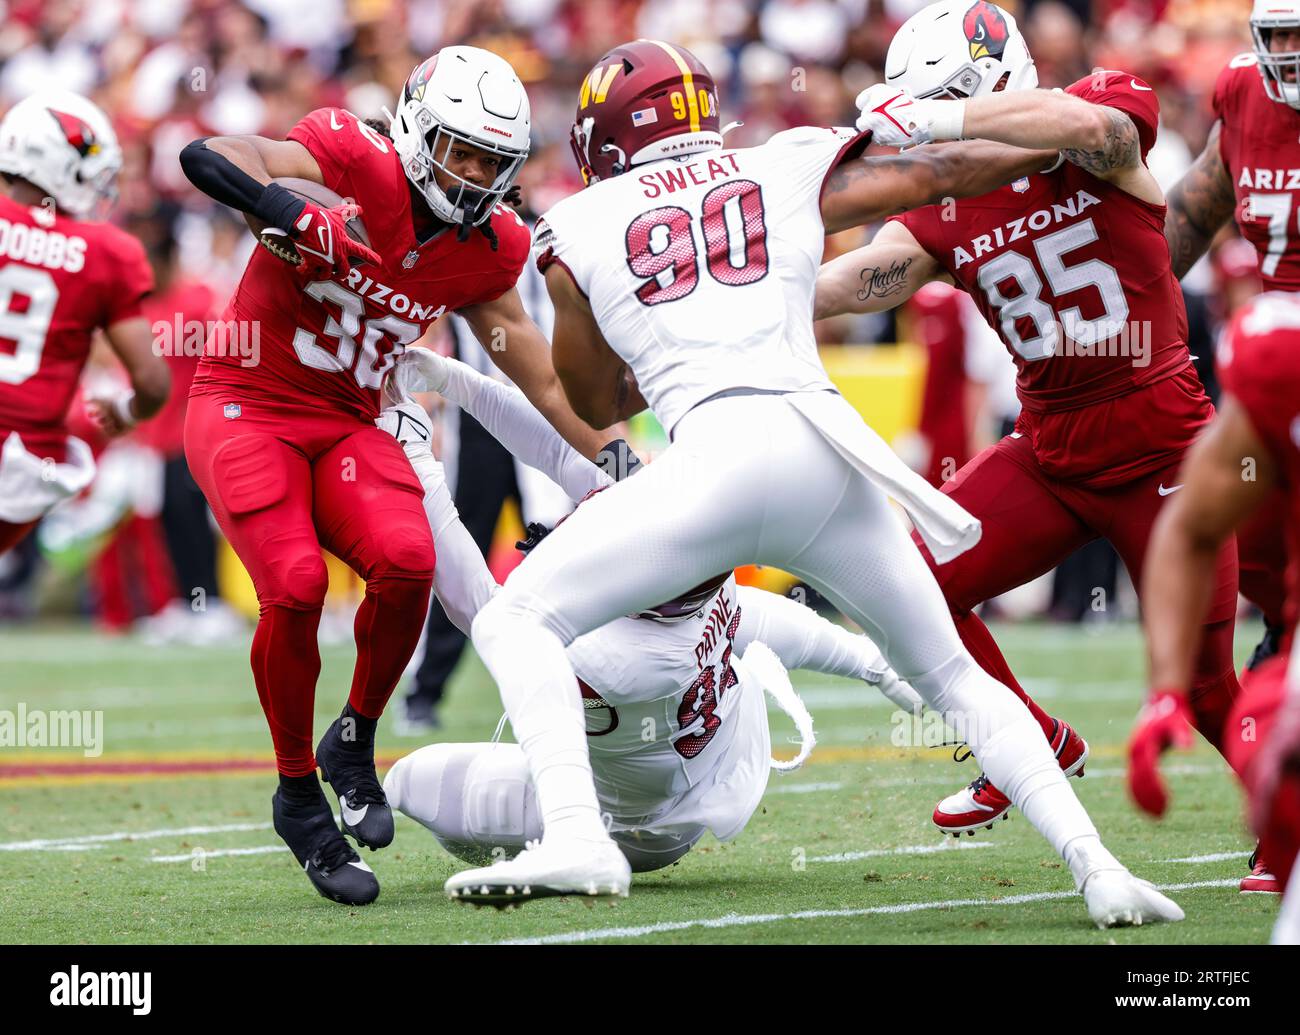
pixel 278 207
pixel 947 120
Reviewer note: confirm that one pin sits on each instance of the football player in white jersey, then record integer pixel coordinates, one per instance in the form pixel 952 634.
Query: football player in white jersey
pixel 691 267
pixel 673 754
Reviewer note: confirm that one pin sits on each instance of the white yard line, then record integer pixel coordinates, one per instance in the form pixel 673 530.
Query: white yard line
pixel 201 853
pixel 803 788
pixel 734 920
pixel 927 849
pixel 72 843
pixel 1212 858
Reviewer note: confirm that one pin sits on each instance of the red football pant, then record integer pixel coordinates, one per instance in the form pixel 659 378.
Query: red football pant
pixel 282 483
pixel 1032 522
pixel 10 534
pixel 1252 720
pixel 132 575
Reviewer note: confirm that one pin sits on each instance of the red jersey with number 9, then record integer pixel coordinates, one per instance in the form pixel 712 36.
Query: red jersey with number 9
pixel 60 279
pixel 1071 271
pixel 329 342
pixel 1259 143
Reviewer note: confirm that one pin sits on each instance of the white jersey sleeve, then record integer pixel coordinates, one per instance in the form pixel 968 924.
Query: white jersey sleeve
pixel 701 271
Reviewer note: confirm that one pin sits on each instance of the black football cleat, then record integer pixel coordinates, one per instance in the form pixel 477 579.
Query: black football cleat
pixel 1270 646
pixel 349 768
pixel 331 864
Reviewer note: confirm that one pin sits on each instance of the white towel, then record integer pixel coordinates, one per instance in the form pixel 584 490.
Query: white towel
pixel 947 528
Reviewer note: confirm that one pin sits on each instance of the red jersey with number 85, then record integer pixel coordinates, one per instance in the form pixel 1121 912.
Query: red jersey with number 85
pixel 60 279
pixel 1071 271
pixel 330 342
pixel 1259 143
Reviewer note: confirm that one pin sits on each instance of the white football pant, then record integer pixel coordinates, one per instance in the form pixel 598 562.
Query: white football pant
pixel 749 479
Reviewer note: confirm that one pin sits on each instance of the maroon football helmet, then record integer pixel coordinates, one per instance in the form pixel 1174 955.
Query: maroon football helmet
pixel 644 101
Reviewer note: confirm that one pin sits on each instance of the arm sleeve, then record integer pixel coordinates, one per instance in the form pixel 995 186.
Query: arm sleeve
pixel 511 419
pixel 1126 93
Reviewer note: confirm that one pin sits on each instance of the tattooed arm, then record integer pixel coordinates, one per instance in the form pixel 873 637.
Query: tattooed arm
pixel 1101 139
pixel 881 275
pixel 864 190
pixel 1199 206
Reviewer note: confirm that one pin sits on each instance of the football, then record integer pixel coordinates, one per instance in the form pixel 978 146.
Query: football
pixel 277 243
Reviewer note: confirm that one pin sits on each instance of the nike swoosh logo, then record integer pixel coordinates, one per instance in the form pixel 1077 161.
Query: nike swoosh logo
pixel 335 125
pixel 352 816
pixel 1138 86
pixel 1169 491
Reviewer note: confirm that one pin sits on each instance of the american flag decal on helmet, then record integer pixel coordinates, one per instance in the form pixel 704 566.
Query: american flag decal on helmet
pixel 645 117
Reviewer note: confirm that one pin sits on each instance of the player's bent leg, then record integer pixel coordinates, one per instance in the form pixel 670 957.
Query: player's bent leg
pixel 476 799
pixel 259 488
pixel 368 507
pixel 1026 531
pixel 860 561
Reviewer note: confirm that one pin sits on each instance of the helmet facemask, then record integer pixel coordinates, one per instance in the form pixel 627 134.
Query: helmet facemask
pixel 1273 66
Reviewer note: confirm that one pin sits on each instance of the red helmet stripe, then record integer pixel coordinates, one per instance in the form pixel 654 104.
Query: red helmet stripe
pixel 692 105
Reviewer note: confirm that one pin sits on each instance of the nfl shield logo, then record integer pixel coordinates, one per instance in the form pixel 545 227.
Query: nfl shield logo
pixel 412 257
pixel 1021 185
pixel 232 410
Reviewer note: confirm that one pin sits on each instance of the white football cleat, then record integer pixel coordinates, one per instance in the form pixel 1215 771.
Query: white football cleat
pixel 592 869
pixel 1116 898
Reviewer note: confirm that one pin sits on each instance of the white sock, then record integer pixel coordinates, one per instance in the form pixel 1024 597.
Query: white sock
pixel 540 694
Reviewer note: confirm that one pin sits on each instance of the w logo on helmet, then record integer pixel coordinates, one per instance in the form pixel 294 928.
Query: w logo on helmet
pixel 79 135
pixel 986 30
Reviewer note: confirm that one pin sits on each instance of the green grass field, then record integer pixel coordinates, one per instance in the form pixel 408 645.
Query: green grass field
pixel 102 850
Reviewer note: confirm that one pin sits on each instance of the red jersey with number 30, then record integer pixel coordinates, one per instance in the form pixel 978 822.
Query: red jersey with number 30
pixel 1259 143
pixel 60 279
pixel 1071 271
pixel 329 342
pixel 1259 366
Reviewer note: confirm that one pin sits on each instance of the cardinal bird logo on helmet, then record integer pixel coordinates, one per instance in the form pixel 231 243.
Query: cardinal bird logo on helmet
pixel 986 31
pixel 79 135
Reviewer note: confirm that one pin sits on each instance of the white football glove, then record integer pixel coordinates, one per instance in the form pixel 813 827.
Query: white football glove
pixel 409 423
pixel 417 370
pixel 897 119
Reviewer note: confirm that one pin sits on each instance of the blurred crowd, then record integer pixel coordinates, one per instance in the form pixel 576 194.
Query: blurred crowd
pixel 168 71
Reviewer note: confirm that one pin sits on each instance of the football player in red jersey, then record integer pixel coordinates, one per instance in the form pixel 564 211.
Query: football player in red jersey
pixel 281 437
pixel 1071 267
pixel 1250 453
pixel 1250 170
pixel 63 275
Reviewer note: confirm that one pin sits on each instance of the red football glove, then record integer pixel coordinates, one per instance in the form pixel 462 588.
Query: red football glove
pixel 321 237
pixel 1164 722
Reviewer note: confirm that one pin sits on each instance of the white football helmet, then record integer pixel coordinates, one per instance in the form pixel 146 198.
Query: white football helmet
pixel 1266 16
pixel 64 144
pixel 461 95
pixel 959 49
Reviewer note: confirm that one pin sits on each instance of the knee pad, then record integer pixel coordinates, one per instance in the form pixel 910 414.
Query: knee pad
pixel 476 799
pixel 291 573
pixel 404 552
